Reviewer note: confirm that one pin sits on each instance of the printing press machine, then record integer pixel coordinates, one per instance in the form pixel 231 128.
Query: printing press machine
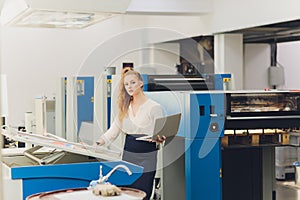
pixel 256 124
pixel 225 147
pixel 176 95
pixel 55 164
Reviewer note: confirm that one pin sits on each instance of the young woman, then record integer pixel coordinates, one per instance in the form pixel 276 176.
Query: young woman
pixel 136 116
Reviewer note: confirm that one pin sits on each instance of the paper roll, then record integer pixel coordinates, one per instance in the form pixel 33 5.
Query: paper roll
pixel 28 122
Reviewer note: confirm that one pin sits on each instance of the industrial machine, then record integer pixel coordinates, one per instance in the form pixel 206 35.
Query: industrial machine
pixel 74 104
pixel 56 160
pixel 180 152
pixel 256 123
pixel 55 164
pixel 178 82
pixel 191 162
pixel 286 156
pixel 225 148
pixel 261 125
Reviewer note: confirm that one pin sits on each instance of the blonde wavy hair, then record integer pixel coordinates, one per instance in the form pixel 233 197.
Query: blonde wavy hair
pixel 124 98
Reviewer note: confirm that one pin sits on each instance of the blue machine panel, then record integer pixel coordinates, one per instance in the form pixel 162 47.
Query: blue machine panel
pixel 207 115
pixel 85 104
pixel 200 133
pixel 203 174
pixel 145 80
pixel 38 179
pixel 221 80
pixel 203 147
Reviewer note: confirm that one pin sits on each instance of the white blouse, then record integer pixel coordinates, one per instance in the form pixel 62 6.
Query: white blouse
pixel 142 123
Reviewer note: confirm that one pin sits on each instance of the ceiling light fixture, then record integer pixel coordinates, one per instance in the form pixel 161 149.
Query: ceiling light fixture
pixel 68 13
pixel 58 19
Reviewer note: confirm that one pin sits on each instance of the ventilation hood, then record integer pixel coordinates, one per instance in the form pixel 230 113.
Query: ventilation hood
pixel 68 13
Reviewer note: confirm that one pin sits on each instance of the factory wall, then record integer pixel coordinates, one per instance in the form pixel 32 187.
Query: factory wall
pixel 256 63
pixel 235 14
pixel 257 60
pixel 34 58
pixel 288 57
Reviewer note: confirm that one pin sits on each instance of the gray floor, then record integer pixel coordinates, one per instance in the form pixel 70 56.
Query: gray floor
pixel 286 190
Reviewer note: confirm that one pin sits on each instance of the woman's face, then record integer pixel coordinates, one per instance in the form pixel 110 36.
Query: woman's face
pixel 132 84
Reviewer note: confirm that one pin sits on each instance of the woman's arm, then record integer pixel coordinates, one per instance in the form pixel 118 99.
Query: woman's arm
pixel 111 134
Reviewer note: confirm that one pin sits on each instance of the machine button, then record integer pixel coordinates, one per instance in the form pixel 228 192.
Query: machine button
pixel 214 127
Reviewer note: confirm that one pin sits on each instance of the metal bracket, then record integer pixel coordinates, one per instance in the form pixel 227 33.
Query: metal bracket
pixel 48 159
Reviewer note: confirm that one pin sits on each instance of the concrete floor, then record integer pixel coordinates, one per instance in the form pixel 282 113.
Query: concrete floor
pixel 286 190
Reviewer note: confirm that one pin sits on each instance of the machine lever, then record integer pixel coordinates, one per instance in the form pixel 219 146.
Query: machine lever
pixel 212 111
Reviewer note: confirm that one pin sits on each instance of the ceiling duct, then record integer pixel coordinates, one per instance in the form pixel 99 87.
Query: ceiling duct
pixel 68 13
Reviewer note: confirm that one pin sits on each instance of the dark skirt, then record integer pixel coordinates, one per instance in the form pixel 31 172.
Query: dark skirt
pixel 144 154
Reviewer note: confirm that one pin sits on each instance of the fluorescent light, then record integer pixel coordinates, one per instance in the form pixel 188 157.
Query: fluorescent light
pixel 111 6
pixel 68 13
pixel 58 19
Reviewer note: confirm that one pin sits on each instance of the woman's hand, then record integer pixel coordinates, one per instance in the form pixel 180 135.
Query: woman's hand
pixel 159 139
pixel 83 144
pixel 100 142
